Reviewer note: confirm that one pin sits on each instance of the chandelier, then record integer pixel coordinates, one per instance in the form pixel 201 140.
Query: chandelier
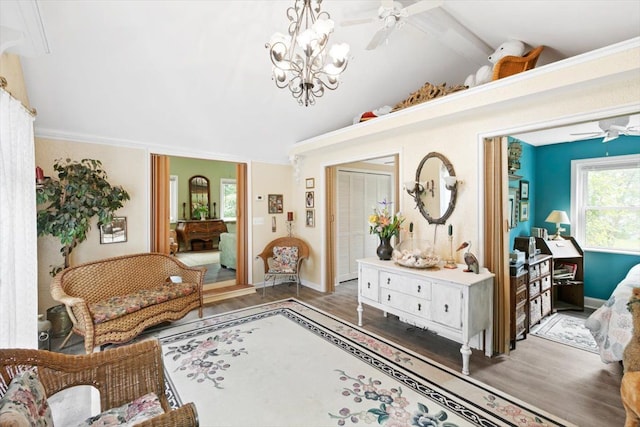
pixel 299 57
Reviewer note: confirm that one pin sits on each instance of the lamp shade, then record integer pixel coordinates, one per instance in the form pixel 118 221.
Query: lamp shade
pixel 558 217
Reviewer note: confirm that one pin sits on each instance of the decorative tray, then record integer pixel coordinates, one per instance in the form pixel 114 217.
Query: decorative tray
pixel 415 254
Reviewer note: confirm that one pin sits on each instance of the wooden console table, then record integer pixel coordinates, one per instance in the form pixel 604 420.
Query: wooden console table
pixel 451 303
pixel 207 230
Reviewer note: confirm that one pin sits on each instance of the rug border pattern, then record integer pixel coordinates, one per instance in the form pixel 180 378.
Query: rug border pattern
pixel 372 358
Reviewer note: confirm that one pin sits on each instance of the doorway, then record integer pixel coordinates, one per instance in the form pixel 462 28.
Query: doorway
pixel 207 220
pixel 353 188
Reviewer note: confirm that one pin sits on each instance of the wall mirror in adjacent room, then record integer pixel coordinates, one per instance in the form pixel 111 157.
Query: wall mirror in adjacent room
pixel 438 186
pixel 199 194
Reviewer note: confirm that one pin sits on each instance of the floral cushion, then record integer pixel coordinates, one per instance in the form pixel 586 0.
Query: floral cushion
pixel 129 414
pixel 285 259
pixel 123 304
pixel 25 402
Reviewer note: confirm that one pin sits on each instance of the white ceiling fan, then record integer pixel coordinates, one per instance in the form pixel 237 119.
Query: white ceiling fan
pixel 611 129
pixel 392 15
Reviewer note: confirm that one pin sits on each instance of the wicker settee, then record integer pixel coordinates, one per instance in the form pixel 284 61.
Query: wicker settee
pixel 121 375
pixel 113 300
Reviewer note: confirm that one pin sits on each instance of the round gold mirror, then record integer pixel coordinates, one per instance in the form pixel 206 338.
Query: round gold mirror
pixel 438 188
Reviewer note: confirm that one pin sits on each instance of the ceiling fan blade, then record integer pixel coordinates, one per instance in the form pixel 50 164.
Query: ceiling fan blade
pixel 422 6
pixel 589 133
pixel 357 21
pixel 631 132
pixel 608 137
pixel 379 37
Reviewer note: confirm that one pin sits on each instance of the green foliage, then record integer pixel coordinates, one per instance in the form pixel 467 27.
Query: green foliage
pixel 612 212
pixel 67 205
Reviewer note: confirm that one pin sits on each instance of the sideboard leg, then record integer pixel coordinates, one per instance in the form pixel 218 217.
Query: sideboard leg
pixel 359 310
pixel 466 355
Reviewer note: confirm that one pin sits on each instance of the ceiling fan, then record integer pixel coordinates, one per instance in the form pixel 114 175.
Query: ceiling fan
pixel 392 15
pixel 612 128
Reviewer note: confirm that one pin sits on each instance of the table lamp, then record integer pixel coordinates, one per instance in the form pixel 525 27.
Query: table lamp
pixel 558 217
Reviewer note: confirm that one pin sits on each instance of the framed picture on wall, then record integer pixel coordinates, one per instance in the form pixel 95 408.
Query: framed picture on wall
pixel 310 219
pixel 310 183
pixel 513 207
pixel 275 203
pixel 309 200
pixel 115 231
pixel 524 190
pixel 524 211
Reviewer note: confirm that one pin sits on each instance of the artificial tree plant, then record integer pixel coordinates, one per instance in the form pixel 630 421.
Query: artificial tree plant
pixel 70 202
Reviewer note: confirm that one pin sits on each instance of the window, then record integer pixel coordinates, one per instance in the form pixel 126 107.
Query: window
pixel 605 203
pixel 173 198
pixel 228 199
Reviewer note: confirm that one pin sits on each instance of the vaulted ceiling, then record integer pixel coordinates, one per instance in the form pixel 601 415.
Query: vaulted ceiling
pixel 193 77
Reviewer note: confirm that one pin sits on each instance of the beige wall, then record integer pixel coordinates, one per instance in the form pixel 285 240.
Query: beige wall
pixel 268 179
pixel 455 125
pixel 123 168
pixel 11 69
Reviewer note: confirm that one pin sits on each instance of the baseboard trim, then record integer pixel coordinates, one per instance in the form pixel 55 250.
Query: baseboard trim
pixel 594 303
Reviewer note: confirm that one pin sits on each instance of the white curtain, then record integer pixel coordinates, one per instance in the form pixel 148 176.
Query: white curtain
pixel 18 233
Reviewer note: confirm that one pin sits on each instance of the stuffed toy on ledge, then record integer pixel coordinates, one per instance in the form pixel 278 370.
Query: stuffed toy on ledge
pixel 485 73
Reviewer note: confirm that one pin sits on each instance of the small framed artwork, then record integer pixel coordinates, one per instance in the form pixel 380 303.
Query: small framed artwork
pixel 513 207
pixel 275 203
pixel 524 211
pixel 309 202
pixel 310 182
pixel 310 219
pixel 524 190
pixel 115 231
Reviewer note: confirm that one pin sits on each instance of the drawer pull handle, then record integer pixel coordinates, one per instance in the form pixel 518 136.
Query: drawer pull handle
pixel 419 307
pixel 419 287
pixel 388 280
pixel 446 308
pixel 389 297
pixel 368 285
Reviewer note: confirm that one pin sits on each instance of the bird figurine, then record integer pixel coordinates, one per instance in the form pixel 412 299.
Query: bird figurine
pixel 469 258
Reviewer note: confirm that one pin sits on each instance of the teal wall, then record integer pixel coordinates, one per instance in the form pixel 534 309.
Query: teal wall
pixel 527 172
pixel 550 184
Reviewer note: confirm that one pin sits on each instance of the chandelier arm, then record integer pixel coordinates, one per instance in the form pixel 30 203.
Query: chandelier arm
pixel 299 62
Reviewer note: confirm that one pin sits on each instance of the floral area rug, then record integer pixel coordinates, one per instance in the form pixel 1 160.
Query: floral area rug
pixel 568 330
pixel 288 364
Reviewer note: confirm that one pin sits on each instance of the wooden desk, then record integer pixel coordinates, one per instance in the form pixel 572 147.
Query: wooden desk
pixel 207 230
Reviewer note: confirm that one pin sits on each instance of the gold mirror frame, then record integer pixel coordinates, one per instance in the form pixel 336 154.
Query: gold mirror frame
pixel 430 188
pixel 199 192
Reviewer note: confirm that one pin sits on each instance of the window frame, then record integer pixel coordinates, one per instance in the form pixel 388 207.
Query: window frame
pixel 223 183
pixel 173 198
pixel 579 172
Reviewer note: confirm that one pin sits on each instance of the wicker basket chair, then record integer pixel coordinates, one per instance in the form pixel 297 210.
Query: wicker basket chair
pixel 271 269
pixel 121 375
pixel 510 65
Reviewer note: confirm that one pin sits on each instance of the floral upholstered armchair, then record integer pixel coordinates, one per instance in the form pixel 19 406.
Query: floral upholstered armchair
pixel 130 380
pixel 282 259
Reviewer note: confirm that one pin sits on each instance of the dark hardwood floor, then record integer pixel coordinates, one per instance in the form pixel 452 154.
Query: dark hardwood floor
pixel 570 383
pixel 567 382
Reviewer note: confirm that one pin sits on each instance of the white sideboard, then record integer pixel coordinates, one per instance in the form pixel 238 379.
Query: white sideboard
pixel 449 302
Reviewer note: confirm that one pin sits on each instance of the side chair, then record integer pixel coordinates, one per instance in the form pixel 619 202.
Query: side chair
pixel 283 258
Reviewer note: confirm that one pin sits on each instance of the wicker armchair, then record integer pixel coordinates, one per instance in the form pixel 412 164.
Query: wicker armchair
pixel 121 375
pixel 81 286
pixel 272 271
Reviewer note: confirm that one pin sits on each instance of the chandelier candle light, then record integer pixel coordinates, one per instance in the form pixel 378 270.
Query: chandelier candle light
pixel 299 57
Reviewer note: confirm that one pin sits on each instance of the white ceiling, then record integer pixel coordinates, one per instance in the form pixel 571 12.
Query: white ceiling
pixel 195 76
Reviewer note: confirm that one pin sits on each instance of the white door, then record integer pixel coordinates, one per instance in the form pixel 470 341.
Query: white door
pixel 358 193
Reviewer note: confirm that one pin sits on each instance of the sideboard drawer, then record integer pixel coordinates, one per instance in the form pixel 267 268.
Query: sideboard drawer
pixel 392 280
pixel 419 288
pixel 369 283
pixel 446 305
